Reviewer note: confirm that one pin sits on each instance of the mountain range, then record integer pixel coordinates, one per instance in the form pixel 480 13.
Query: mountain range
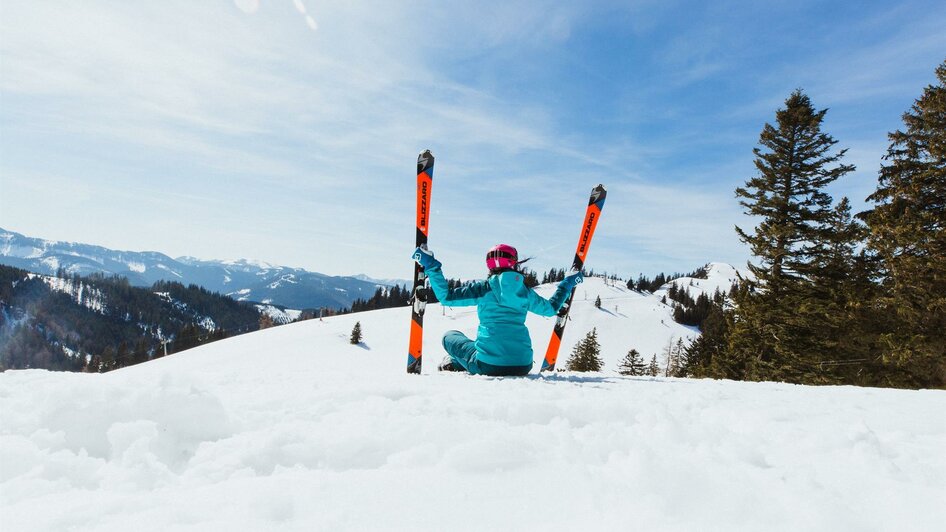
pixel 243 280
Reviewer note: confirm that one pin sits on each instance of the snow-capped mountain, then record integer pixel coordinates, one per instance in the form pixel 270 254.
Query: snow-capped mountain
pixel 294 428
pixel 244 280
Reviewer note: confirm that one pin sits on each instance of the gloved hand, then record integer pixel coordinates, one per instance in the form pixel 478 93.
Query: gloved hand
pixel 573 278
pixel 425 257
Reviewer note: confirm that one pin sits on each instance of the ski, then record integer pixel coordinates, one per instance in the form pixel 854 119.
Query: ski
pixel 595 204
pixel 425 173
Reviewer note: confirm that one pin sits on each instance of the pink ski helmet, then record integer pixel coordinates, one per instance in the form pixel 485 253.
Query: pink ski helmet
pixel 501 256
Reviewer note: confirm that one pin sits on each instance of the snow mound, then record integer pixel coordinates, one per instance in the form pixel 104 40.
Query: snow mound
pixel 294 428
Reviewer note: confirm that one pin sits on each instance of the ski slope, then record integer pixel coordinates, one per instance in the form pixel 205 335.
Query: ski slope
pixel 293 428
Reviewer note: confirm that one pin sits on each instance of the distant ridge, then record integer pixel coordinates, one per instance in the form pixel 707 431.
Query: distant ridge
pixel 243 280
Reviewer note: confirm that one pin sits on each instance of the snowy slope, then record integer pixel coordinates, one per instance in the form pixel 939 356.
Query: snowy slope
pixel 719 276
pixel 626 320
pixel 293 428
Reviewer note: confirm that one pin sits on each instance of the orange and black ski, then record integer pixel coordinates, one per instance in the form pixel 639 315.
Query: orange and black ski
pixel 595 204
pixel 425 174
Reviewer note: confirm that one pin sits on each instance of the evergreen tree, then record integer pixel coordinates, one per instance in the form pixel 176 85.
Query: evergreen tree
pixel 598 302
pixel 632 364
pixel 707 355
pixel 833 311
pixel 356 333
pixel 530 278
pixel 653 369
pixel 908 234
pixel 788 193
pixel 122 356
pixel 769 338
pixel 141 352
pixel 586 356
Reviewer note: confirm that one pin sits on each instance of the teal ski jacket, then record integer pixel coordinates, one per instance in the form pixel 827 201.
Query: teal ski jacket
pixel 502 302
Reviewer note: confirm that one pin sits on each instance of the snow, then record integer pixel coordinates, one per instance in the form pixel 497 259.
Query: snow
pixel 169 270
pixel 288 278
pixel 51 262
pixel 91 298
pixel 251 263
pixel 719 276
pixel 626 320
pixel 241 295
pixel 137 267
pixel 382 282
pixel 294 428
pixel 8 248
pixel 279 316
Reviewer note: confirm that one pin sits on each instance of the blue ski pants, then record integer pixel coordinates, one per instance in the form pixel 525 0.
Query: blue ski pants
pixel 462 351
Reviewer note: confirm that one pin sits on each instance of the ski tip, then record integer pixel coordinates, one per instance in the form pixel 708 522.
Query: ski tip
pixel 425 162
pixel 598 194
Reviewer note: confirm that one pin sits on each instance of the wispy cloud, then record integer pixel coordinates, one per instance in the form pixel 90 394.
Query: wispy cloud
pixel 276 123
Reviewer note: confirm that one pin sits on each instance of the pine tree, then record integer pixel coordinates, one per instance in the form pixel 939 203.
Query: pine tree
pixel 707 355
pixel 908 234
pixel 141 351
pixel 788 194
pixel 586 355
pixel 834 310
pixel 653 369
pixel 770 338
pixel 632 364
pixel 598 302
pixel 356 334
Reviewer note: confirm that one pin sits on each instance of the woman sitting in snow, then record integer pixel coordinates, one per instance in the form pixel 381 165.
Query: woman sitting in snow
pixel 502 346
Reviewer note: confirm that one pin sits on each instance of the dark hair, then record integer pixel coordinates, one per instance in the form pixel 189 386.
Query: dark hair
pixel 517 268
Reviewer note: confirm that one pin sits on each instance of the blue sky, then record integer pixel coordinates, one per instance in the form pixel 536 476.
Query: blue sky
pixel 287 131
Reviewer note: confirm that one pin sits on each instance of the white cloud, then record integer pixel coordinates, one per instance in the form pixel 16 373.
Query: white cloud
pixel 288 133
pixel 248 6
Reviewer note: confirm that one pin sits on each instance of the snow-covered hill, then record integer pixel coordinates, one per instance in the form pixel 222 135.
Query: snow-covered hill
pixel 719 277
pixel 293 428
pixel 244 280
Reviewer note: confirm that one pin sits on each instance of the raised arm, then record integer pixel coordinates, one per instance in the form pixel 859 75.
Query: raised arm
pixel 462 296
pixel 551 306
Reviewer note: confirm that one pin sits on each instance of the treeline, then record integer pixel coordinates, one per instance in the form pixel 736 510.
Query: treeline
pixel 646 284
pixel 393 296
pixel 690 311
pixel 384 297
pixel 99 323
pixel 686 309
pixel 839 298
pixel 398 296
